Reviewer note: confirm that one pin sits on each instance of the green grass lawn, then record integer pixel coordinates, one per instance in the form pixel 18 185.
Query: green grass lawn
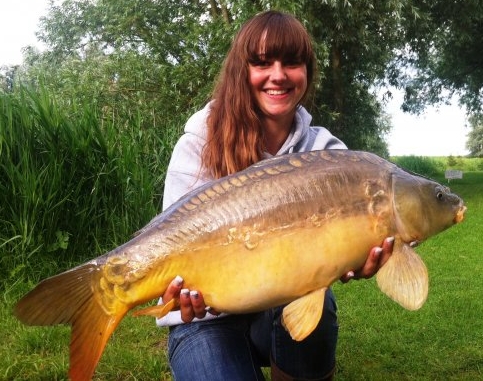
pixel 442 341
pixel 379 340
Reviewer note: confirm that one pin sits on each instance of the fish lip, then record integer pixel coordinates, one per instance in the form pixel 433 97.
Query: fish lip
pixel 460 214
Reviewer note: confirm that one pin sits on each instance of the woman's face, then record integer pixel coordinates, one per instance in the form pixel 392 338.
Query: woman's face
pixel 278 86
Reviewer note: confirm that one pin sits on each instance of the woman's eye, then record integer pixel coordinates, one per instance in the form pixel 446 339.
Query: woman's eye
pixel 259 62
pixel 292 63
pixel 263 63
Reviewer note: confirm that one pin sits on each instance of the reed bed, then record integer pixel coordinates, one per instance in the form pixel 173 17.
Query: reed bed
pixel 74 182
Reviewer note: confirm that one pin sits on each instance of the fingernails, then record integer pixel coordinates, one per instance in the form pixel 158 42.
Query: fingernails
pixel 350 274
pixel 194 294
pixel 178 280
pixel 378 251
pixel 390 239
pixel 185 292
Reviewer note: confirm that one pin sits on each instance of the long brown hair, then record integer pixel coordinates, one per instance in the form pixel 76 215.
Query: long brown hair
pixel 235 132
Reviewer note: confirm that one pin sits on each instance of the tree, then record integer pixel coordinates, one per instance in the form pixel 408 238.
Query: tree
pixel 360 40
pixel 161 58
pixel 475 136
pixel 444 50
pixel 7 77
pixel 135 58
pixel 444 56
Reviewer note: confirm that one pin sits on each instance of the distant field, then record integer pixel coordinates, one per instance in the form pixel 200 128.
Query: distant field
pixel 436 165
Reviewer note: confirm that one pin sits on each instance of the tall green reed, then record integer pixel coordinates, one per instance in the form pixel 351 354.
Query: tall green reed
pixel 74 181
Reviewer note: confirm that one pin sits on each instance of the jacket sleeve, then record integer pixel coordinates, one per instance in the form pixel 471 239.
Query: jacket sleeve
pixel 184 170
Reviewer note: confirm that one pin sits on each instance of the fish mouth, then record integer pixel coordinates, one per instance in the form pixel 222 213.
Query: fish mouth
pixel 460 214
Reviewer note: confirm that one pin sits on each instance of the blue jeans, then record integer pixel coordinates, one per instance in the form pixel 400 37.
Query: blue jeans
pixel 237 346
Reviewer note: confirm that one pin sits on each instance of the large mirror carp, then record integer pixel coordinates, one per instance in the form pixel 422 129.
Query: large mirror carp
pixel 280 232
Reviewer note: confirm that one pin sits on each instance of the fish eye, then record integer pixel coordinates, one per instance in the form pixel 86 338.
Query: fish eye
pixel 440 193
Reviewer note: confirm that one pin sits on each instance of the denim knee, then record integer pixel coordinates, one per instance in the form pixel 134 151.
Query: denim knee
pixel 311 358
pixel 212 350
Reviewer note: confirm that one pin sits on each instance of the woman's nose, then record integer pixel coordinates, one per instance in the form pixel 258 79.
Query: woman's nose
pixel 278 71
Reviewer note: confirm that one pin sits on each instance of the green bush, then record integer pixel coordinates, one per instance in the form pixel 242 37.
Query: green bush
pixel 419 164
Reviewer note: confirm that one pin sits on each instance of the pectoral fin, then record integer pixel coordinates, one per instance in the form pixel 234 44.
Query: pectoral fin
pixel 302 315
pixel 157 311
pixel 404 278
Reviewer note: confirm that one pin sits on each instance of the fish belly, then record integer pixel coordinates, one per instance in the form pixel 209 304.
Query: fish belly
pixel 273 268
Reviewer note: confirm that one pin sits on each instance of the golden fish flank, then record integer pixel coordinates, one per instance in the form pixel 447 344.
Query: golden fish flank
pixel 284 229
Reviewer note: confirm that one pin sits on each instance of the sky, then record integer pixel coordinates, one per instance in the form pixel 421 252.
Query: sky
pixel 438 132
pixel 19 20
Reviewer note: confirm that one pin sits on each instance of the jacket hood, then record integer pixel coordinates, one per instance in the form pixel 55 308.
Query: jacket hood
pixel 299 132
pixel 196 125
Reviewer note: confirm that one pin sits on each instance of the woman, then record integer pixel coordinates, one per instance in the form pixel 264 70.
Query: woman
pixel 255 113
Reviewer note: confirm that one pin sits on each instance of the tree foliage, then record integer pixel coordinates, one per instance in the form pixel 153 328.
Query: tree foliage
pixel 360 39
pixel 158 59
pixel 444 50
pixel 161 58
pixel 475 137
pixel 150 57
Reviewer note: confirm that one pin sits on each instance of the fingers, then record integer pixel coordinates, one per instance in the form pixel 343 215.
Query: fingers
pixel 187 313
pixel 173 289
pixel 192 305
pixel 378 256
pixel 347 277
pixel 198 303
pixel 368 269
pixel 372 264
pixel 387 248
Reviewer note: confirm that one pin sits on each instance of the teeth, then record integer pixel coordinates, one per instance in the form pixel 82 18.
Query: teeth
pixel 276 92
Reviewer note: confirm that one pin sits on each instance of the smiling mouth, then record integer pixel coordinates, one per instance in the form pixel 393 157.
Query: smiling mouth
pixel 277 92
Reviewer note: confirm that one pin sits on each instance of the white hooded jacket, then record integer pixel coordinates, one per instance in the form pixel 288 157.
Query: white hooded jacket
pixel 185 172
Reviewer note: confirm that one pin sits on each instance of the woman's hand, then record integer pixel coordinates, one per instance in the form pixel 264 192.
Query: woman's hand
pixel 376 259
pixel 191 303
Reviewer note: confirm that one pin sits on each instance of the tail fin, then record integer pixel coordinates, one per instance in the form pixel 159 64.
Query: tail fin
pixel 68 298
